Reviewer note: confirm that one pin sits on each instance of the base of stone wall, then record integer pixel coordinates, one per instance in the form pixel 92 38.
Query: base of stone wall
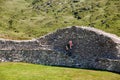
pixel 53 58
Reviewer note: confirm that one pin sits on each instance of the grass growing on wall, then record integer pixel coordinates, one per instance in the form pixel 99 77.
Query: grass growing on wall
pixel 24 71
pixel 26 19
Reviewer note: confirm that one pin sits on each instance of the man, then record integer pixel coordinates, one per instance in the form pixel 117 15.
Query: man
pixel 69 48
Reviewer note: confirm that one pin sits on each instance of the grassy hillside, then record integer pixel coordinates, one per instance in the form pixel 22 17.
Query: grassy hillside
pixel 26 19
pixel 24 71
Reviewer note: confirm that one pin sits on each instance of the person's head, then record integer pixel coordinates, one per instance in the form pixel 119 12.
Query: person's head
pixel 70 41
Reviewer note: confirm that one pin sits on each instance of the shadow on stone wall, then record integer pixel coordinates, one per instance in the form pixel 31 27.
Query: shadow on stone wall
pixel 92 48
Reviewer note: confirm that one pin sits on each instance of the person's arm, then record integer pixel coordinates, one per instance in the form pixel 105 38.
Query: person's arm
pixel 66 47
pixel 70 47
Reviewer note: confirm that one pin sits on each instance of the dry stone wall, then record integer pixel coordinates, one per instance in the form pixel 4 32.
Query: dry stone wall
pixel 92 49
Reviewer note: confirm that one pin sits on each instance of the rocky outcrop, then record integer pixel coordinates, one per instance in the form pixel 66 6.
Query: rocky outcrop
pixel 92 48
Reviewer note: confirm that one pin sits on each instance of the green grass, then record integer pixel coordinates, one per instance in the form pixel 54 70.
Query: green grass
pixel 26 19
pixel 25 71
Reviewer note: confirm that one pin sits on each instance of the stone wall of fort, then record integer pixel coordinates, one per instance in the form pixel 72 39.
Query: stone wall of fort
pixel 92 48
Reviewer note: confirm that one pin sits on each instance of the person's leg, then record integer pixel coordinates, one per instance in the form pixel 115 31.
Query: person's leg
pixel 67 52
pixel 70 52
